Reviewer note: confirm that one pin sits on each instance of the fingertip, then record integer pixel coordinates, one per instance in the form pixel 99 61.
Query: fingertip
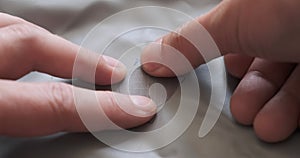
pixel 163 60
pixel 239 110
pixel 151 57
pixel 267 130
pixel 272 128
pixel 118 69
pixel 110 71
pixel 128 111
pixel 157 70
pixel 145 105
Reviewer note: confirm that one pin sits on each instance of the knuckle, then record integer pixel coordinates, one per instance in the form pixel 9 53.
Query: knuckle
pixel 112 104
pixel 111 98
pixel 21 40
pixel 266 77
pixel 60 98
pixel 24 33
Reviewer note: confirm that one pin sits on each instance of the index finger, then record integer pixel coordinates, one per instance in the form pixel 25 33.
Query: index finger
pixel 199 41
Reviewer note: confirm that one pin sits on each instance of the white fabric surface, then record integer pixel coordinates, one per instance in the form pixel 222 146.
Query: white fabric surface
pixel 73 19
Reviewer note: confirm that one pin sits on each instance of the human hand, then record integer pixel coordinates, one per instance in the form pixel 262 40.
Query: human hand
pixel 35 109
pixel 260 43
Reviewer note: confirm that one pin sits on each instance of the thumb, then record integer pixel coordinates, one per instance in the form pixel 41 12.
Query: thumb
pixel 220 23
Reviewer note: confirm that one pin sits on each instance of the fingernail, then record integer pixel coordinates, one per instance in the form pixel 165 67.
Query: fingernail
pixel 151 67
pixel 118 69
pixel 144 104
pixel 159 41
pixel 151 49
pixel 115 64
pixel 112 62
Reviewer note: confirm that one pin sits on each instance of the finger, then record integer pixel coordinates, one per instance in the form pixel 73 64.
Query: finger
pixel 7 20
pixel 87 65
pixel 190 37
pixel 278 119
pixel 50 108
pixel 258 86
pixel 26 48
pixel 237 64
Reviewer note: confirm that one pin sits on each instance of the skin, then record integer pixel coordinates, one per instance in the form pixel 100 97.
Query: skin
pixel 259 41
pixel 260 44
pixel 37 109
